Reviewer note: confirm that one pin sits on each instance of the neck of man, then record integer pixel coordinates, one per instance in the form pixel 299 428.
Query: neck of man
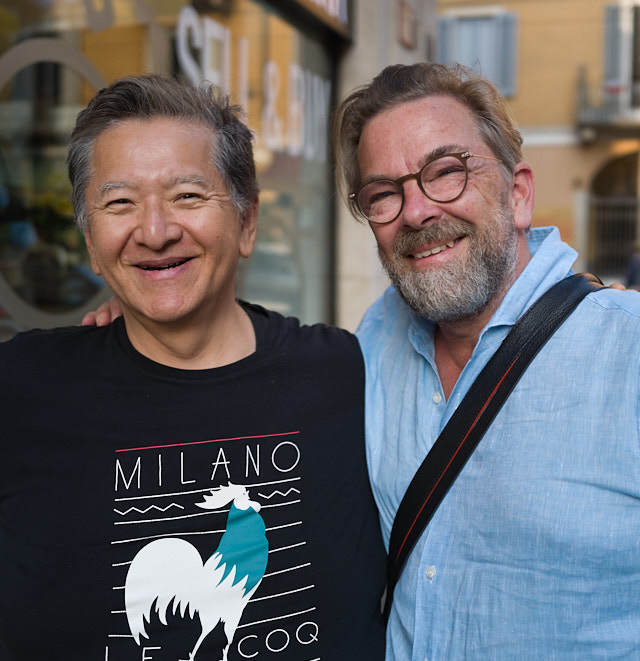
pixel 218 340
pixel 454 344
pixel 456 340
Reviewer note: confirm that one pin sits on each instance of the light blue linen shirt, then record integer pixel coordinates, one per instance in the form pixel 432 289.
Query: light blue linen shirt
pixel 534 553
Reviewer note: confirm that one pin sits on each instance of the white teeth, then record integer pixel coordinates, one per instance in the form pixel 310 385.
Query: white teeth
pixel 434 251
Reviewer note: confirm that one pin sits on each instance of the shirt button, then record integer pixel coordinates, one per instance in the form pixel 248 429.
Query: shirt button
pixel 430 572
pixel 437 398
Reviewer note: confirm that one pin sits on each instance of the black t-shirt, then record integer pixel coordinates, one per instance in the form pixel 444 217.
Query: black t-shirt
pixel 147 513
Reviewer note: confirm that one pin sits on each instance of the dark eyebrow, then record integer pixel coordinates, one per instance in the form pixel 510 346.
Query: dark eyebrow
pixel 442 151
pixel 434 153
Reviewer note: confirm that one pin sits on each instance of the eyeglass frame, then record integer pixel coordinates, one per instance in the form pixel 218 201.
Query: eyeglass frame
pixel 462 156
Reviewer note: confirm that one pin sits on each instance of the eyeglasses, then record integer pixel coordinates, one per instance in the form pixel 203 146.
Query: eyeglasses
pixel 442 179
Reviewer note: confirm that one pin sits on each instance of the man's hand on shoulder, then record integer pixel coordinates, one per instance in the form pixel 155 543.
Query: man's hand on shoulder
pixel 109 311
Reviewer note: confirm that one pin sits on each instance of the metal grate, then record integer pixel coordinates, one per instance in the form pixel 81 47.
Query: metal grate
pixel 613 229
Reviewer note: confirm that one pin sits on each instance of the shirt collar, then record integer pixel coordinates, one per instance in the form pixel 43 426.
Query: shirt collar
pixel 551 261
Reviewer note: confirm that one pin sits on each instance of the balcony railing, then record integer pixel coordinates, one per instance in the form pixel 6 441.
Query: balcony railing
pixel 607 110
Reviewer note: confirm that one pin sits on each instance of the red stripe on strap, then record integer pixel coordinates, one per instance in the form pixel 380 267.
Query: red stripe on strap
pixel 473 424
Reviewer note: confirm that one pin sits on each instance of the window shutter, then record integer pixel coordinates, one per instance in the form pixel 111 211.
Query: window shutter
pixel 446 40
pixel 612 50
pixel 508 53
pixel 487 43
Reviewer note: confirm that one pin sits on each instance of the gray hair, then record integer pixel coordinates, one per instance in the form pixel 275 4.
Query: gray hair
pixel 151 96
pixel 397 84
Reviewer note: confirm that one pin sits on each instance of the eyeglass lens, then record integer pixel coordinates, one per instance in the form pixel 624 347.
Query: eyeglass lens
pixel 442 180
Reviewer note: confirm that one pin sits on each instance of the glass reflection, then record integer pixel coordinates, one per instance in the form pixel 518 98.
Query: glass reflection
pixel 42 256
pixel 281 75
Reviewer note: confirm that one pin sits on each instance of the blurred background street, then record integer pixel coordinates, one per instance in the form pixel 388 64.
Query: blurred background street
pixel 570 70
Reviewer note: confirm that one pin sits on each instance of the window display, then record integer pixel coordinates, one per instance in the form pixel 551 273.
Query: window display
pixel 54 56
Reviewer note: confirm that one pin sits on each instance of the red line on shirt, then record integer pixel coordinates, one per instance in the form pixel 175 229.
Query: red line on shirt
pixel 215 440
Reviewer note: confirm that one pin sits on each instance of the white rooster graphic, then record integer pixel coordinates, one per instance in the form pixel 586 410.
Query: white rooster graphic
pixel 169 573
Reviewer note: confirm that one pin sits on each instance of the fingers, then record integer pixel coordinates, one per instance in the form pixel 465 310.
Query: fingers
pixel 89 319
pixel 107 312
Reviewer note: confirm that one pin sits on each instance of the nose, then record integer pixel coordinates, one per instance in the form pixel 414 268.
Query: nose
pixel 418 209
pixel 156 227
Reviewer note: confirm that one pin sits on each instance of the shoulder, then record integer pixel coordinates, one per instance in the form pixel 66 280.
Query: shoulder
pixel 279 334
pixel 385 322
pixel 607 302
pixel 606 324
pixel 43 339
pixel 55 347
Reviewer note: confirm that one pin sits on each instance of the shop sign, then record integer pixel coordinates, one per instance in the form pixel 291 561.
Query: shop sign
pixel 301 131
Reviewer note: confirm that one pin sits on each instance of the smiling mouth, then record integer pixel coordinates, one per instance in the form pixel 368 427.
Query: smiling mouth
pixel 434 251
pixel 165 267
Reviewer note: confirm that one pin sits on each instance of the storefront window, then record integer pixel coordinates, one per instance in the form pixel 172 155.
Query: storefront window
pixel 55 54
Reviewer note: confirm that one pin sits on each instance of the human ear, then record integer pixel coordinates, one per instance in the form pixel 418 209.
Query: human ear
pixel 91 250
pixel 522 195
pixel 249 230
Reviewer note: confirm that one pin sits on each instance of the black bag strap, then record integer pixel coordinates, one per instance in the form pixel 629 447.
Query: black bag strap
pixel 475 413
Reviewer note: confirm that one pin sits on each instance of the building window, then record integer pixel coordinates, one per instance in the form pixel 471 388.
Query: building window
pixel 622 54
pixel 487 43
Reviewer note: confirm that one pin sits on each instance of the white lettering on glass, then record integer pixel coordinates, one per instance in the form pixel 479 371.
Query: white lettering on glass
pixel 211 41
pixel 271 124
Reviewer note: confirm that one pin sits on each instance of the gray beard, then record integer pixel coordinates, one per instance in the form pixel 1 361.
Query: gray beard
pixel 462 289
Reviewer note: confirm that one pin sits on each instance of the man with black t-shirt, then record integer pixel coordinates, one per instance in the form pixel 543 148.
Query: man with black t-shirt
pixel 188 482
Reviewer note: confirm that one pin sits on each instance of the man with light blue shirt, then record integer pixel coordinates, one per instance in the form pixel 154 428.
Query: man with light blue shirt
pixel 534 552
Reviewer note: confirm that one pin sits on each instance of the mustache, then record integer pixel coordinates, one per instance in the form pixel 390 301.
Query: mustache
pixel 439 232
